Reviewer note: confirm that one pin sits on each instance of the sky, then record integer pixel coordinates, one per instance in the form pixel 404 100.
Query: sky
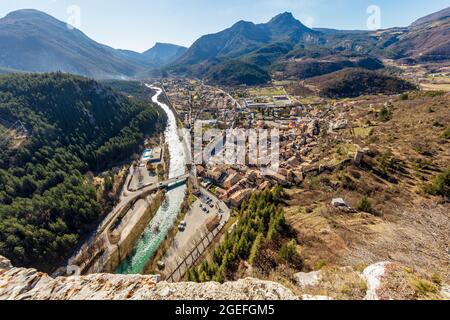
pixel 138 24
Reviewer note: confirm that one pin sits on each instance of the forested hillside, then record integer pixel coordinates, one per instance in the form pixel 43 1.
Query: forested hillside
pixel 350 83
pixel 235 72
pixel 75 125
pixel 261 239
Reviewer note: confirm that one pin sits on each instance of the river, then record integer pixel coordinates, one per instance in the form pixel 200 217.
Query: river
pixel 163 221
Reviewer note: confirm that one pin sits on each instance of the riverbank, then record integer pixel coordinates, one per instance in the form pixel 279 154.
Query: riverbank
pixel 152 266
pixel 159 227
pixel 134 226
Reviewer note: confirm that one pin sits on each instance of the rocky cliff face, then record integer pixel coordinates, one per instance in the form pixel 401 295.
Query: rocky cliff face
pixel 380 281
pixel 19 283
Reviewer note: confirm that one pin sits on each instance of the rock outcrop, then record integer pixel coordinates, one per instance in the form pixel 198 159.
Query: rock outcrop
pixel 25 284
pixel 385 280
pixel 5 263
pixel 379 281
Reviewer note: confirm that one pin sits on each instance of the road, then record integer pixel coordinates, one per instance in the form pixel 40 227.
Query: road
pixel 127 202
pixel 189 245
pixel 132 200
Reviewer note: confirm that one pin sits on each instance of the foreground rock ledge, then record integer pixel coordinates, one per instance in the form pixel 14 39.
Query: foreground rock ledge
pixel 25 284
pixel 380 281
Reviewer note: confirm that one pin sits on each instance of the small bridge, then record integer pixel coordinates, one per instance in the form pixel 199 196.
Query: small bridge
pixel 100 239
pixel 164 184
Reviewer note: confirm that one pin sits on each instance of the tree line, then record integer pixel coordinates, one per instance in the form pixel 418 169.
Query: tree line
pixel 47 200
pixel 261 220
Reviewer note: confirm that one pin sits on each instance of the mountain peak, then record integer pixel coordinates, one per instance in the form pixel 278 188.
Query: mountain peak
pixel 286 24
pixel 162 45
pixel 285 21
pixel 284 18
pixel 27 14
pixel 243 23
pixel 284 15
pixel 162 54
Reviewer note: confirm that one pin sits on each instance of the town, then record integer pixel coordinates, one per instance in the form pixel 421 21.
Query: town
pixel 298 124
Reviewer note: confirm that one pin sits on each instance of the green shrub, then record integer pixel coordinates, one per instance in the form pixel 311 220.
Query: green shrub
pixel 433 94
pixel 424 287
pixel 321 264
pixel 437 279
pixel 387 162
pixel 440 185
pixel 347 183
pixel 446 133
pixel 422 164
pixel 385 114
pixel 288 251
pixel 365 205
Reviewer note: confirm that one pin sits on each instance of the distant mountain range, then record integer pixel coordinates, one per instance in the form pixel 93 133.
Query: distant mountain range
pixel 163 54
pixel 245 53
pixel 31 40
pixel 437 16
pixel 285 48
pixel 427 39
pixel 245 37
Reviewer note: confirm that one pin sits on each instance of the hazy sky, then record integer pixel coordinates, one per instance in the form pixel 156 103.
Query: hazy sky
pixel 138 24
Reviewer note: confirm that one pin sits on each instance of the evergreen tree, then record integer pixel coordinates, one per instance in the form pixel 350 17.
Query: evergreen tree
pixel 256 247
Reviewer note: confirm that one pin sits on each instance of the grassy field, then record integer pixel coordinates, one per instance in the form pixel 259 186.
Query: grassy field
pixel 267 91
pixel 281 83
pixel 310 100
pixel 436 87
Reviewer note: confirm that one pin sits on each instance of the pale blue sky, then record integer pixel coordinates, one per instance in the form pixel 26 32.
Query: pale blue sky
pixel 138 24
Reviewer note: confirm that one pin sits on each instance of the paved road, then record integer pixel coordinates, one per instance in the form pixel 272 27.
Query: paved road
pixel 190 244
pixel 127 199
pixel 196 220
pixel 188 241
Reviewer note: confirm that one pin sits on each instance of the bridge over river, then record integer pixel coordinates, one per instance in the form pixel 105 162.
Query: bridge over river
pixel 96 248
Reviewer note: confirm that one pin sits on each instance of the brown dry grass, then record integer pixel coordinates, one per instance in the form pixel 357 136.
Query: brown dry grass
pixel 406 225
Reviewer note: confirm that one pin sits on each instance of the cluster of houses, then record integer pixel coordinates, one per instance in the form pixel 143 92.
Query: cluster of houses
pixel 234 183
pixel 195 101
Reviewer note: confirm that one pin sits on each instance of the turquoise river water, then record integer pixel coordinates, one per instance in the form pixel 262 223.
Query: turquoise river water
pixel 164 219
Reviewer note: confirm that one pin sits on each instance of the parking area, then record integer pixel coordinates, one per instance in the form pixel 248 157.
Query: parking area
pixel 192 228
pixel 142 177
